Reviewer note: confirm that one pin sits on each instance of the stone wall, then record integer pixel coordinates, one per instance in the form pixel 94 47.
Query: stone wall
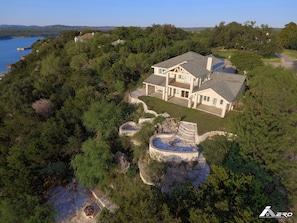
pixel 169 155
pixel 143 120
pixel 145 108
pixel 129 132
pixel 206 135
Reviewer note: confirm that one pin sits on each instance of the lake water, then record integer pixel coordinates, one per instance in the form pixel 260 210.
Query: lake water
pixel 9 53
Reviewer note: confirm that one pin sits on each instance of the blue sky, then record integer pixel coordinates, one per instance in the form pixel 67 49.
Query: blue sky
pixel 180 13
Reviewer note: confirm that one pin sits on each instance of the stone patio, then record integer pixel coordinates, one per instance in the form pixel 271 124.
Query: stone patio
pixel 69 203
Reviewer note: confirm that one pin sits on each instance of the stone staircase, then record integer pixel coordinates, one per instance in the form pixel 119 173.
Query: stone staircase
pixel 187 132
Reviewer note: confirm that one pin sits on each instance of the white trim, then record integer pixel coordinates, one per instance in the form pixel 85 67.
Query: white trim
pixel 202 92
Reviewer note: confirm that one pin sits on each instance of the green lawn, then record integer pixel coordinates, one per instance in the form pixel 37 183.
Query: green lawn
pixel 223 53
pixel 291 53
pixel 272 59
pixel 205 122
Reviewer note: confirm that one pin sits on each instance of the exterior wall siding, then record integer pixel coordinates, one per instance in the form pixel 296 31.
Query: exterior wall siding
pixel 157 71
pixel 213 95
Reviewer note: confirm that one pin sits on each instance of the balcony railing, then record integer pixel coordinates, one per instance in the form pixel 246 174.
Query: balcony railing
pixel 173 83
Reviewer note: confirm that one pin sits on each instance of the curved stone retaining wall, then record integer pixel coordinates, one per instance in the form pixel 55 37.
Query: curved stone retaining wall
pixel 145 108
pixel 206 135
pixel 170 155
pixel 125 130
pixel 149 120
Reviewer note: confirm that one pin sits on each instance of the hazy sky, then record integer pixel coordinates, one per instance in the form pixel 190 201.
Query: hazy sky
pixel 180 13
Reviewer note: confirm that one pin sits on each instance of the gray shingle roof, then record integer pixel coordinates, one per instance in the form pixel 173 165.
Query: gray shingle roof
pixel 155 80
pixel 192 62
pixel 226 85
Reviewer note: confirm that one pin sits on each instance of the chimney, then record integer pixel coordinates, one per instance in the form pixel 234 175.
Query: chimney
pixel 209 63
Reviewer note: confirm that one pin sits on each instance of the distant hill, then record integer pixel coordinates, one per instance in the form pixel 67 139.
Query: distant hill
pixel 7 31
pixel 52 30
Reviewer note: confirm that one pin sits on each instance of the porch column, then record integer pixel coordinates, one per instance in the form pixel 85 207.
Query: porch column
pixel 146 90
pixel 224 110
pixel 191 85
pixel 166 93
pixel 163 93
pixel 190 101
pixel 200 99
pixel 166 87
pixel 195 100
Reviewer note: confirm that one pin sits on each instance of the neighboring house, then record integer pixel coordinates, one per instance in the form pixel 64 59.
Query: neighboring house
pixel 197 82
pixel 117 42
pixel 84 37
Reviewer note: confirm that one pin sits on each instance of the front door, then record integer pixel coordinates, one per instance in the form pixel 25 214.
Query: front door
pixel 185 94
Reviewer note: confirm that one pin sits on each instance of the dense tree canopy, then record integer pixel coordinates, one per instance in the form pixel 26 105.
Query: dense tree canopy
pixel 94 165
pixel 60 110
pixel 245 61
pixel 62 106
pixel 225 193
pixel 288 36
pixel 246 37
pixel 267 127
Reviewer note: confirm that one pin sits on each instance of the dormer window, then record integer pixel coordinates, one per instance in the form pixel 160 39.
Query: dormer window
pixel 161 71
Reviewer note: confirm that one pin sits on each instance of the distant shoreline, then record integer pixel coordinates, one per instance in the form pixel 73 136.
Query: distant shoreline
pixel 16 37
pixel 8 37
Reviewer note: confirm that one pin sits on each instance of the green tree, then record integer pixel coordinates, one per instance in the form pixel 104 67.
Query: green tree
pixel 266 129
pixel 288 36
pixel 224 193
pixel 69 34
pixel 268 189
pixel 246 37
pixel 25 208
pixel 79 62
pixel 216 149
pixel 93 166
pixel 103 118
pixel 246 61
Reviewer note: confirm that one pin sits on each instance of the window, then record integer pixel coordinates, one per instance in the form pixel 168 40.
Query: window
pixel 221 102
pixel 161 71
pixel 206 98
pixel 158 88
pixel 185 94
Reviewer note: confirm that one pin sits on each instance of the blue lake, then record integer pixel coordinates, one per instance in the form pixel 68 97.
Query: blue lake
pixel 9 53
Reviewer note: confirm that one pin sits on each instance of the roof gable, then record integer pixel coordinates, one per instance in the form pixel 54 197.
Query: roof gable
pixel 180 68
pixel 192 62
pixel 226 85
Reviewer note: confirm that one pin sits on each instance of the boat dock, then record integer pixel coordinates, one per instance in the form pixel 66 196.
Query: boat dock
pixel 23 48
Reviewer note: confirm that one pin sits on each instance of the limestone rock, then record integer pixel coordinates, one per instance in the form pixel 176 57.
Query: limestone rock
pixel 122 162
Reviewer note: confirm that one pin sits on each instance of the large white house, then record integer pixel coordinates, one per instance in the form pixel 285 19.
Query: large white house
pixel 196 81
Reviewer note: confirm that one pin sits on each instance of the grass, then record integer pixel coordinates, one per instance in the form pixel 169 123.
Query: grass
pixel 290 53
pixel 223 53
pixel 272 60
pixel 205 122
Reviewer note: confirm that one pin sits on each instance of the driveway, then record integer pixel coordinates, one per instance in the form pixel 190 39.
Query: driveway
pixel 287 62
pixel 284 58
